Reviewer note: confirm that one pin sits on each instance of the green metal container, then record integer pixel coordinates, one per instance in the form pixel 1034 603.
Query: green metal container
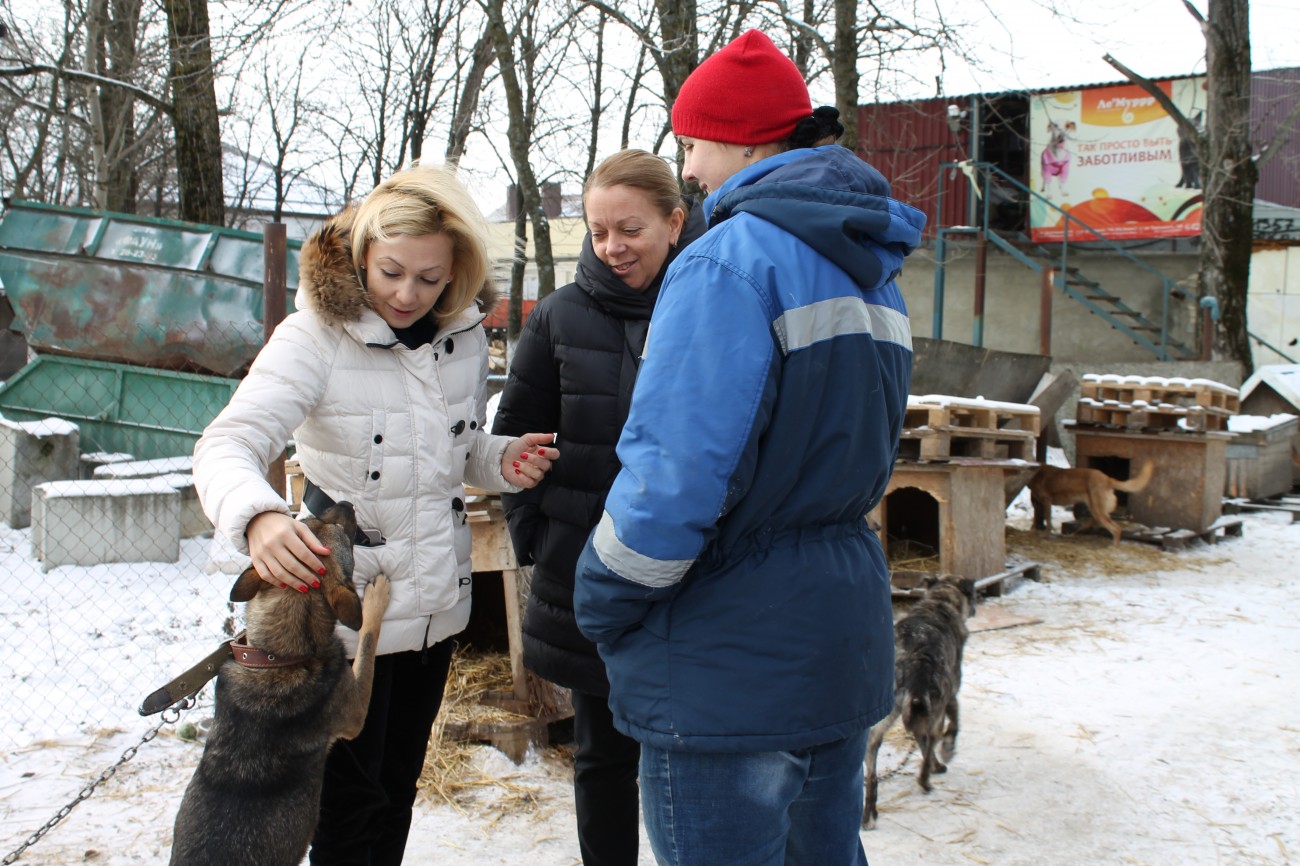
pixel 124 288
pixel 119 408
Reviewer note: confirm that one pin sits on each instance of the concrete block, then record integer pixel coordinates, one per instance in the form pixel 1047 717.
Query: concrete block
pixel 129 469
pixel 176 471
pixel 92 461
pixel 31 453
pixel 94 522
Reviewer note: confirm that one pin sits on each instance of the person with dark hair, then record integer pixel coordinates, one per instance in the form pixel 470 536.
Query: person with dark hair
pixel 733 587
pixel 572 372
pixel 380 377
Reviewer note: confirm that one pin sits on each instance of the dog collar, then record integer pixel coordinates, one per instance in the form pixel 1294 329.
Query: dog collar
pixel 257 659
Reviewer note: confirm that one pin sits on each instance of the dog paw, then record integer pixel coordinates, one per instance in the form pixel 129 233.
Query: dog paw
pixel 376 598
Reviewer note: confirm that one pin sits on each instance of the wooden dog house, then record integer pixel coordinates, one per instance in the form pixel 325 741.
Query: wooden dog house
pixel 958 508
pixel 1186 491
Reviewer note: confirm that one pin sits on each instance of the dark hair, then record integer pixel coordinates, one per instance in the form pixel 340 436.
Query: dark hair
pixel 821 127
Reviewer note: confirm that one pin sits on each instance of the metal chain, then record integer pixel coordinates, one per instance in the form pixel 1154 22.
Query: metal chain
pixel 901 765
pixel 169 716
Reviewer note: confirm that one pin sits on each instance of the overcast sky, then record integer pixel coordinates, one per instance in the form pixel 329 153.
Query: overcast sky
pixel 1028 46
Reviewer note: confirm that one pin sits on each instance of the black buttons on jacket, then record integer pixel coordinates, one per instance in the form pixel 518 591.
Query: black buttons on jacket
pixel 451 345
pixel 374 476
pixel 473 425
pixel 458 428
pixel 378 438
pixel 457 505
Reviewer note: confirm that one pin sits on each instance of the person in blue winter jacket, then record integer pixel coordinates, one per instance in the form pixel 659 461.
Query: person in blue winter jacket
pixel 733 588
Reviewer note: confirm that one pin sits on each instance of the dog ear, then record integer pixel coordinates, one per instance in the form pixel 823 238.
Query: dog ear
pixel 340 592
pixel 247 585
pixel 343 600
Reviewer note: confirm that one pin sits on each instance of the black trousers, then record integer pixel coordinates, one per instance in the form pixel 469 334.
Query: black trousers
pixel 365 809
pixel 604 785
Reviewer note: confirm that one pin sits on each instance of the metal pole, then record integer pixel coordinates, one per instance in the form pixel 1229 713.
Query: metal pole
pixel 936 320
pixel 981 257
pixel 936 315
pixel 274 305
pixel 1045 312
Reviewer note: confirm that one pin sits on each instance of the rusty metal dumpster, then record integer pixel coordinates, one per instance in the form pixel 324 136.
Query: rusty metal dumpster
pixel 119 408
pixel 136 290
pixel 139 326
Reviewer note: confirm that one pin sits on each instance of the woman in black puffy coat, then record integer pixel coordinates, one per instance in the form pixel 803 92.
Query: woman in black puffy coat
pixel 572 373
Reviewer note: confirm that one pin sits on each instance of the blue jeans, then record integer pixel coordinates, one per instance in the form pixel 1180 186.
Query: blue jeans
pixel 798 808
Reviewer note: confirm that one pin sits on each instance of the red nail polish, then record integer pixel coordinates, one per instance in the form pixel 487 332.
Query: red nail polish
pixel 515 464
pixel 302 589
pixel 315 584
pixel 321 572
pixel 523 456
pixel 517 472
pixel 284 586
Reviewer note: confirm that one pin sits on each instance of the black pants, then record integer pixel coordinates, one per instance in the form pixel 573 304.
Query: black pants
pixel 365 809
pixel 604 785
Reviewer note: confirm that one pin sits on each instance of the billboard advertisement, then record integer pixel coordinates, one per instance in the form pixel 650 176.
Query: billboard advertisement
pixel 1112 158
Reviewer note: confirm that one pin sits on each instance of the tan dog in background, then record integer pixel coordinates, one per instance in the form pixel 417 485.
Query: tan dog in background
pixel 1053 485
pixel 283 698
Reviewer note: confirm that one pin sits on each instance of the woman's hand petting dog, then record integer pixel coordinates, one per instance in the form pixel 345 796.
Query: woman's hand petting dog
pixel 285 551
pixel 525 463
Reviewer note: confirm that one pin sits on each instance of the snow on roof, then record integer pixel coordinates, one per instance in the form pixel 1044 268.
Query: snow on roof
pixel 145 468
pixel 125 487
pixel 1282 378
pixel 1170 382
pixel 1252 423
pixel 42 428
pixel 973 403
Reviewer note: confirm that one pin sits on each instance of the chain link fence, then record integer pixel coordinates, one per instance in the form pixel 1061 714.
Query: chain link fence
pixel 115 582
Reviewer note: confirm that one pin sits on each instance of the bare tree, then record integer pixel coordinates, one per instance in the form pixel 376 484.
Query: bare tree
pixel 524 73
pixel 1229 166
pixel 467 102
pixel 194 115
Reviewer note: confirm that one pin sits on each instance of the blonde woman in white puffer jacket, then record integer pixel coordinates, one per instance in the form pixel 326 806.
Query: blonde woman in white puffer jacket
pixel 380 378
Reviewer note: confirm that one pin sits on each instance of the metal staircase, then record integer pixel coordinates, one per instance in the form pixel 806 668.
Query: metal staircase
pixel 1053 260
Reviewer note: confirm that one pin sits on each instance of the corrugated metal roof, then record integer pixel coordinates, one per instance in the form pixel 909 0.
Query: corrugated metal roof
pixel 909 140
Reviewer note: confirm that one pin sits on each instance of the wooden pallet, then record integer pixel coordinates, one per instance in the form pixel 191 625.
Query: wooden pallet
pixel 1176 391
pixel 910 584
pixel 1152 402
pixel 1281 505
pixel 938 428
pixel 1138 416
pixel 927 444
pixel 511 736
pixel 1164 537
pixel 939 411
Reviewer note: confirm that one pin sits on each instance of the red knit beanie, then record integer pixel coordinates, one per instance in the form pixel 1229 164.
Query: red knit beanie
pixel 746 93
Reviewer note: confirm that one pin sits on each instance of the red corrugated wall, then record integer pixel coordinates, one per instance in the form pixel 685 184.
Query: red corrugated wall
pixel 907 142
pixel 1273 95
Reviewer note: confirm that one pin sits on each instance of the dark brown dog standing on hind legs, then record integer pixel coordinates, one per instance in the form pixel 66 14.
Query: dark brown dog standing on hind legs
pixel 283 699
pixel 928 645
pixel 1054 485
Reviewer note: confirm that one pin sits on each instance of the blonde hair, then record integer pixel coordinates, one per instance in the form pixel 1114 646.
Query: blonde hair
pixel 424 200
pixel 641 170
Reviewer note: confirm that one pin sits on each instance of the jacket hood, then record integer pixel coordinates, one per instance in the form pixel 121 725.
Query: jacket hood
pixel 596 279
pixel 329 284
pixel 831 200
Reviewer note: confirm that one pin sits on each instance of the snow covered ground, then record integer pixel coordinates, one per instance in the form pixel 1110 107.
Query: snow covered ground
pixel 1149 716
